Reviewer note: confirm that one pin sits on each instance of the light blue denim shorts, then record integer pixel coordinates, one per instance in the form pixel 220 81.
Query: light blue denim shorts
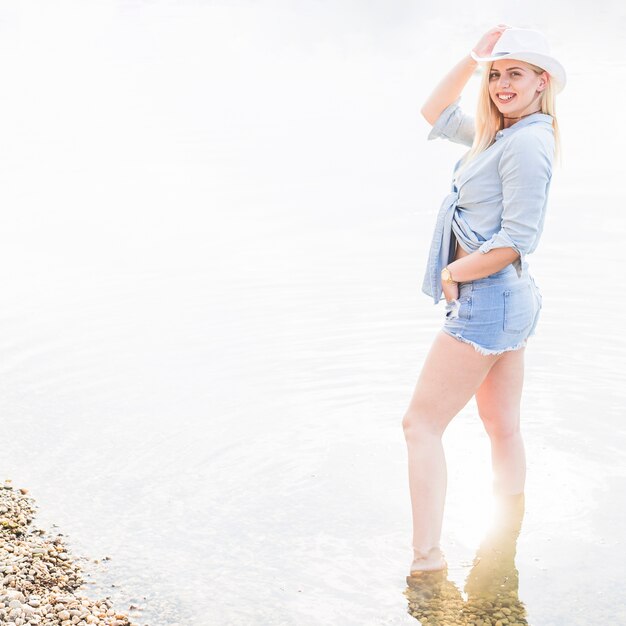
pixel 496 313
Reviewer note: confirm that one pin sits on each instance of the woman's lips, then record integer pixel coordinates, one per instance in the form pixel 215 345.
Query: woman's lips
pixel 507 100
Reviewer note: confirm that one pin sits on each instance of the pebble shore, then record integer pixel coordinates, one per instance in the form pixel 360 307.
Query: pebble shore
pixel 40 580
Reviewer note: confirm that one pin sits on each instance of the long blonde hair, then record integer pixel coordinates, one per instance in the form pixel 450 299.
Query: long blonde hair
pixel 489 120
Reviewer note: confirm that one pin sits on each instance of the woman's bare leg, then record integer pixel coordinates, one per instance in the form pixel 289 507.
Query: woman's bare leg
pixel 452 372
pixel 498 399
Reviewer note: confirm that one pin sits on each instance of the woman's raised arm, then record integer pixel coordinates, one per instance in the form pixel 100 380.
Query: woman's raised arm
pixel 449 89
pixel 451 86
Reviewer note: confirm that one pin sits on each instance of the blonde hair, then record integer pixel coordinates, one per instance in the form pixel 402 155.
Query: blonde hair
pixel 489 120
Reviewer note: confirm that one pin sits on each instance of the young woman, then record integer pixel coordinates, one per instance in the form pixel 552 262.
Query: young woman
pixel 492 218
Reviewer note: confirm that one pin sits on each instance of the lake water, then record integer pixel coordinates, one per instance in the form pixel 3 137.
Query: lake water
pixel 215 223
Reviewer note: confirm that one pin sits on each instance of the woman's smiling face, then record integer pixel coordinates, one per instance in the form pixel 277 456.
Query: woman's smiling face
pixel 515 88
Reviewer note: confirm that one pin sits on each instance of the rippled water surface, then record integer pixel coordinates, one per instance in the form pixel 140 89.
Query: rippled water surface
pixel 215 223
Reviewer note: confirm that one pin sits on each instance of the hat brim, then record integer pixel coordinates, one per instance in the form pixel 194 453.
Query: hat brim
pixel 548 63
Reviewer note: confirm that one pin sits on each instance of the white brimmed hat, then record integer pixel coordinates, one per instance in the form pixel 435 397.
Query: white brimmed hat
pixel 526 44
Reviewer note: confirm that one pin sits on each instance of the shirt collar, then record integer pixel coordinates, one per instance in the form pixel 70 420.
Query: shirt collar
pixel 533 118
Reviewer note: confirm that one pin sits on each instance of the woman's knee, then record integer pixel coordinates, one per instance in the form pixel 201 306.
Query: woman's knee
pixel 502 426
pixel 418 425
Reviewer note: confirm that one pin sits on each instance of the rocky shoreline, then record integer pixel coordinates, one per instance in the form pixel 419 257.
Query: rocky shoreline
pixel 40 582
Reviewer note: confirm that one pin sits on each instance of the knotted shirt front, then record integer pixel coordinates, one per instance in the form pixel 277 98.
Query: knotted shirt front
pixel 500 199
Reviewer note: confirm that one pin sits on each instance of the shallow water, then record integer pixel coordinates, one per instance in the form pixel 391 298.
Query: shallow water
pixel 212 250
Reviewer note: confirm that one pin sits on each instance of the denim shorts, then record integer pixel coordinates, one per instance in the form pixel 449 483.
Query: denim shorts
pixel 496 313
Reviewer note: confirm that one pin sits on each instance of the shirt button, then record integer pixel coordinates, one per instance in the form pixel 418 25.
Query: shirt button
pixel 499 133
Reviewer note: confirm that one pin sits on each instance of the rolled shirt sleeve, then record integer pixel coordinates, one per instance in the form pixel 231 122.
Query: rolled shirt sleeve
pixel 525 169
pixel 454 124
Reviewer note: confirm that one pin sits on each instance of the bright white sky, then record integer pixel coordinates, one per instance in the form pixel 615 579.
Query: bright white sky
pixel 148 127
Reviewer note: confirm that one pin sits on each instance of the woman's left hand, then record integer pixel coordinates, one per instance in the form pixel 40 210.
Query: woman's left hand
pixel 450 290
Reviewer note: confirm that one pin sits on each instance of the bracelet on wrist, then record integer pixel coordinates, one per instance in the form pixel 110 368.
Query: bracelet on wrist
pixel 446 276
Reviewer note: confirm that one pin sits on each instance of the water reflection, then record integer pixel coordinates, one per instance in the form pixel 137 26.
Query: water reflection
pixel 491 587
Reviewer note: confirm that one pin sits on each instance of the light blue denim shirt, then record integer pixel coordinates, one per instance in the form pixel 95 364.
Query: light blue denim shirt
pixel 500 198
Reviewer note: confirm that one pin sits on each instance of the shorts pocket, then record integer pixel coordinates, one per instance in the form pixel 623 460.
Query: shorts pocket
pixel 465 311
pixel 460 308
pixel 519 310
pixel 452 309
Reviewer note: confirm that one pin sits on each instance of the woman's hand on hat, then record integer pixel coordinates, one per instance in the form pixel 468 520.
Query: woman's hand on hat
pixel 486 43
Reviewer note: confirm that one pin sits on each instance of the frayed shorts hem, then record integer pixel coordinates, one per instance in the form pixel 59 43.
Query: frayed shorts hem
pixel 481 349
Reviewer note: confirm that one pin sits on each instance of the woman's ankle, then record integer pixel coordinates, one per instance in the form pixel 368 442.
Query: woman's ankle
pixel 433 560
pixel 424 553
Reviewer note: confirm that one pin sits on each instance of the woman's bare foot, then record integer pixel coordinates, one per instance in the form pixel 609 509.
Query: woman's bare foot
pixel 432 561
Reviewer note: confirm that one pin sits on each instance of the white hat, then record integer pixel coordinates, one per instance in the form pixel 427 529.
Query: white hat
pixel 525 44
